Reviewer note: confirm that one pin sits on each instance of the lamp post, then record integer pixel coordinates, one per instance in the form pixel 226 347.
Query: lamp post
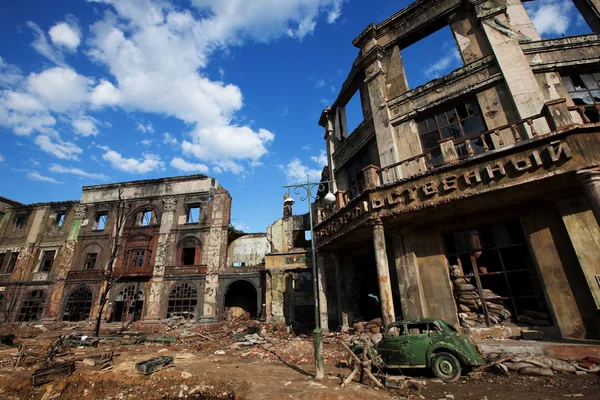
pixel 317 334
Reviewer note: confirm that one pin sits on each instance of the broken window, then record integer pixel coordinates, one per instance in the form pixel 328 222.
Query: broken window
pixel 584 89
pixel 193 214
pixel 299 239
pixel 12 262
pixel 188 255
pixel 137 258
pixel 146 218
pixel 47 260
pixel 32 307
pixel 303 281
pixel 510 290
pixel 90 260
pixel 78 304
pixel 183 300
pixel 100 221
pixel 59 219
pixel 417 328
pixel 20 221
pixel 459 123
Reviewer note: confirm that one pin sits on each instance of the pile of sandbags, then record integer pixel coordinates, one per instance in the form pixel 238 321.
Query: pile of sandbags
pixel 373 326
pixel 470 305
pixel 534 318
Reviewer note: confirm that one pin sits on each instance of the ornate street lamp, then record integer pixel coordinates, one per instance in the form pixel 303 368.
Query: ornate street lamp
pixel 329 198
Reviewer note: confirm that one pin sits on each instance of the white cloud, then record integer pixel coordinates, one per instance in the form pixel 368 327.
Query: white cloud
pixel 148 128
pixel 58 148
pixel 335 11
pixel 59 89
pixel 448 62
pixel 182 165
pixel 551 17
pixel 169 139
pixel 105 94
pixel 321 159
pixel 43 47
pixel 320 83
pixel 146 142
pixel 24 114
pixel 85 126
pixel 76 171
pixel 148 163
pixel 296 172
pixel 10 75
pixel 65 35
pixel 36 176
pixel 1 158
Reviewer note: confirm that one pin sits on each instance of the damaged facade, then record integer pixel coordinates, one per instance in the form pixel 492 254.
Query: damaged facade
pixel 475 197
pixel 172 258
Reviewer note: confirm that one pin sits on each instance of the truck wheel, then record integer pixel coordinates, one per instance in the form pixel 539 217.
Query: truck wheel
pixel 446 367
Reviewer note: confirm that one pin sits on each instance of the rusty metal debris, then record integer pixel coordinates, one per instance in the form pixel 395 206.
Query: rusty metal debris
pixel 48 374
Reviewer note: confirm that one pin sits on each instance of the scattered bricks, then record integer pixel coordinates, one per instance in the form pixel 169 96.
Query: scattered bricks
pixel 45 375
pixel 152 365
pixel 528 334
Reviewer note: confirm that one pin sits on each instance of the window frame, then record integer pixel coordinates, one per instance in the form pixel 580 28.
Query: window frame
pixel 189 208
pixel 20 221
pixel 97 218
pixel 59 218
pixel 88 258
pixel 44 260
pixel 438 126
pixel 12 262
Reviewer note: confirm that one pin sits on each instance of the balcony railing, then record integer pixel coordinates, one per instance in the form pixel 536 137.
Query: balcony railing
pixel 589 113
pixel 84 275
pixel 178 270
pixel 132 271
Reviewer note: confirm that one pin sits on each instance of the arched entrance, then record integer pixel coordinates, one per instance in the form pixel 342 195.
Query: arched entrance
pixel 241 299
pixel 128 304
pixel 78 304
pixel 183 301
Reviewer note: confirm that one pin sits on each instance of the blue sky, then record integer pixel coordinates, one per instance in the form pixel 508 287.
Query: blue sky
pixel 115 90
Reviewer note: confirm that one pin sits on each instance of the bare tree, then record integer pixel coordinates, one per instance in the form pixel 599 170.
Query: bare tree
pixel 108 273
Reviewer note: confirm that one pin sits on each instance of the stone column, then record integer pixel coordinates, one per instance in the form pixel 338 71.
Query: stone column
pixel 590 179
pixel 323 315
pixel 163 258
pixel 383 274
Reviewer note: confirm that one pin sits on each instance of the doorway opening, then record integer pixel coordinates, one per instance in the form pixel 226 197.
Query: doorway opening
pixel 241 300
pixel 128 304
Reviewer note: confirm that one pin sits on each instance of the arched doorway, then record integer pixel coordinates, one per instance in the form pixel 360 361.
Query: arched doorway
pixel 128 304
pixel 183 301
pixel 32 306
pixel 241 299
pixel 78 305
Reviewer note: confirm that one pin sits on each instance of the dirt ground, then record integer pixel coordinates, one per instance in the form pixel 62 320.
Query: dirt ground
pixel 282 370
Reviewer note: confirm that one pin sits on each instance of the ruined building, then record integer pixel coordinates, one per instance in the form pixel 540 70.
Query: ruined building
pixel 476 196
pixel 171 259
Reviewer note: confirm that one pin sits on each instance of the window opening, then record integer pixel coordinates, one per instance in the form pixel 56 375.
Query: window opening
pixel 20 221
pixel 32 307
pixel 299 239
pixel 356 183
pixel 417 328
pixel 188 256
pixel 60 219
pixel 12 262
pixel 438 55
pixel 193 214
pixel 137 258
pixel 183 300
pixel 2 257
pixel 585 91
pixel 1 217
pixel 146 218
pixel 47 260
pixel 557 19
pixel 303 281
pixel 78 304
pixel 354 112
pixel 90 260
pixel 459 123
pixel 100 221
pixel 128 304
pixel 509 291
pixel 238 264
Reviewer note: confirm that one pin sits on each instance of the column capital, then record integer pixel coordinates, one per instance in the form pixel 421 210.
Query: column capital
pixel 376 222
pixel 169 204
pixel 590 175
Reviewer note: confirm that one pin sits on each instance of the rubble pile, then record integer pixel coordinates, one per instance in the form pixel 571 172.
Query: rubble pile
pixel 538 365
pixel 470 305
pixel 373 326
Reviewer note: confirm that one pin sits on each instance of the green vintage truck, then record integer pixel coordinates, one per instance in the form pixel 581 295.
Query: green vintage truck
pixel 425 343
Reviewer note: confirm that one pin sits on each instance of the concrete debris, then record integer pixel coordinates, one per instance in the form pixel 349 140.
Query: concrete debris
pixel 48 374
pixel 152 365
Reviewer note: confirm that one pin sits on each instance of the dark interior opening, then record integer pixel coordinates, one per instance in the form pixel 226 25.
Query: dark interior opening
pixel 188 256
pixel 241 299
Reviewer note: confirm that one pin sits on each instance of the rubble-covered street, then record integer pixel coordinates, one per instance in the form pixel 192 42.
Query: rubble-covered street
pixel 238 360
